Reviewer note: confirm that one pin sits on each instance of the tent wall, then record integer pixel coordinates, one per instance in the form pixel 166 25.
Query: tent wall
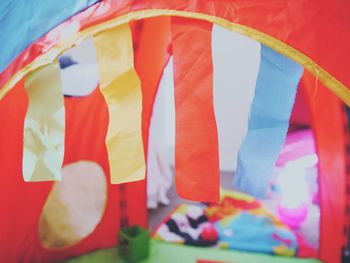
pixel 306 31
pixel 328 122
pixel 21 203
pixel 86 127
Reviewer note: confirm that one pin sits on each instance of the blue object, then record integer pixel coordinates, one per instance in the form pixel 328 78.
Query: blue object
pixel 254 233
pixel 268 123
pixel 22 22
pixel 66 61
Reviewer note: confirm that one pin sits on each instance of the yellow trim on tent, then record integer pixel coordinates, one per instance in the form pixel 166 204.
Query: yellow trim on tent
pixel 321 74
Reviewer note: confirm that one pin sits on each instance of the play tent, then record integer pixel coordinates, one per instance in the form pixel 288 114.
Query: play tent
pixel 315 34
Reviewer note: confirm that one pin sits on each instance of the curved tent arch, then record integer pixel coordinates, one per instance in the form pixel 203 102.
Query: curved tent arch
pixel 106 15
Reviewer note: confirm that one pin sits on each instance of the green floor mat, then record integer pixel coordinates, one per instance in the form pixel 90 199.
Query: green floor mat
pixel 172 253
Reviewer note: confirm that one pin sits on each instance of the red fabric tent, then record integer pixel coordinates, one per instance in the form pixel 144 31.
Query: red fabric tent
pixel 315 34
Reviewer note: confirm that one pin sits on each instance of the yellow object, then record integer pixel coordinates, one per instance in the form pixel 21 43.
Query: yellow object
pixel 282 250
pixel 236 195
pixel 121 88
pixel 44 125
pixel 80 197
pixel 224 245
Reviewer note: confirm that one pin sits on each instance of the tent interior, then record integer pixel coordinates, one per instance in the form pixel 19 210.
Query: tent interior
pixel 84 216
pixel 232 99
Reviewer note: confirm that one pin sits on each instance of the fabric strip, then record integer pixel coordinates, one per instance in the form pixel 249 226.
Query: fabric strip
pixel 121 88
pixel 44 125
pixel 196 139
pixel 268 124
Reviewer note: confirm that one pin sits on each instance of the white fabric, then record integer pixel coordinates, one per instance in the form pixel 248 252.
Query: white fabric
pixel 161 141
pixel 236 62
pixel 79 79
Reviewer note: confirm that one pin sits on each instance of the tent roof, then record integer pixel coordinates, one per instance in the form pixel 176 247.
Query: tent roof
pixel 23 22
pixel 307 31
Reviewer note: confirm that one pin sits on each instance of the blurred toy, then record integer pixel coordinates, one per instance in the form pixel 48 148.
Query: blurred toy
pixel 191 228
pixel 209 233
pixel 294 205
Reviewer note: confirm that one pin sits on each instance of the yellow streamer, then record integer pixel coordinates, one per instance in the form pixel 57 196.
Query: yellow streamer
pixel 121 88
pixel 44 125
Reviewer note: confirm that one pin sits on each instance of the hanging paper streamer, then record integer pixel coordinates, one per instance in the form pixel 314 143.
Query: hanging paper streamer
pixel 268 124
pixel 44 125
pixel 121 89
pixel 196 138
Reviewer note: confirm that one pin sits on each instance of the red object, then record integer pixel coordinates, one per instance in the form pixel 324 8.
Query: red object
pixel 209 233
pixel 152 49
pixel 320 29
pixel 229 206
pixel 304 249
pixel 196 139
pixel 21 203
pixel 209 261
pixel 300 117
pixel 287 22
pixel 328 122
pixel 240 203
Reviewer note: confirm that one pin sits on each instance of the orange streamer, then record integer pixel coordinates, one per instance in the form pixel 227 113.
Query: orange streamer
pixel 196 141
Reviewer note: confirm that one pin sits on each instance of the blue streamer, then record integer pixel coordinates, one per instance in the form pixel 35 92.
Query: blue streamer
pixel 268 124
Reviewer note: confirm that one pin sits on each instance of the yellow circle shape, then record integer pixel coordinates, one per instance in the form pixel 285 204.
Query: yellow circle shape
pixel 75 205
